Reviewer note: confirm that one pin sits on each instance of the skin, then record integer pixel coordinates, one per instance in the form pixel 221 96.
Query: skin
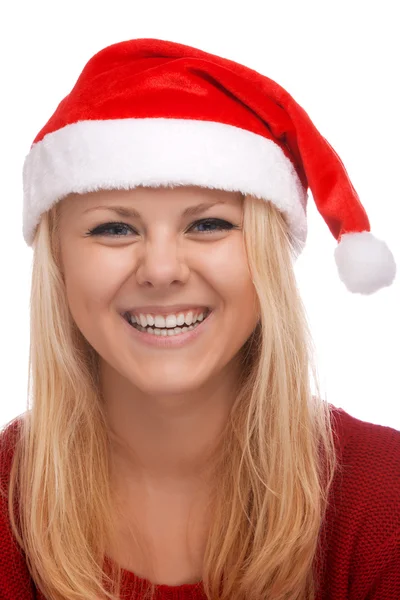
pixel 166 407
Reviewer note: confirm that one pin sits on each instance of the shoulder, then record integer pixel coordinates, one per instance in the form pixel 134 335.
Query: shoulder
pixel 369 476
pixel 15 581
pixel 362 525
pixel 10 433
pixel 9 436
pixel 370 456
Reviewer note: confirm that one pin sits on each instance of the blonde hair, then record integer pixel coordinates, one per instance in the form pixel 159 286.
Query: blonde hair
pixel 275 464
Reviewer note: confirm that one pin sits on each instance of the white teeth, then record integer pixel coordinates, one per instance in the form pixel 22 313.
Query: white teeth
pixel 169 322
pixel 180 320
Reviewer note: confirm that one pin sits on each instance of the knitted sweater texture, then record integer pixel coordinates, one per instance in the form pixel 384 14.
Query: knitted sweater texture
pixel 360 538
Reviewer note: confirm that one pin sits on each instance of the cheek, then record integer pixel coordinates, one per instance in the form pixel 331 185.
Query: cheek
pixel 91 281
pixel 229 274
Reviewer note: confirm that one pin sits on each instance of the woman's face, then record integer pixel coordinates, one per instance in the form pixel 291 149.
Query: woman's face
pixel 158 257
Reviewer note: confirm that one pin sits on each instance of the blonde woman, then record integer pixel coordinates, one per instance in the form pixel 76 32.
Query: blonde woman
pixel 172 447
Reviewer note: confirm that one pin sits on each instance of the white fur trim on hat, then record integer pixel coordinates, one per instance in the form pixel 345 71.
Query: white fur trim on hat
pixel 125 153
pixel 365 264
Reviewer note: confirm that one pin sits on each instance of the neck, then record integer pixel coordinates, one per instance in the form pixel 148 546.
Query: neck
pixel 166 440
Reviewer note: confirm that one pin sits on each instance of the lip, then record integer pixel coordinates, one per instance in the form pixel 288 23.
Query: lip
pixel 173 341
pixel 166 310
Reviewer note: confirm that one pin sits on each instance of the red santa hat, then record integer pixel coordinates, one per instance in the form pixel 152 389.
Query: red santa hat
pixel 151 112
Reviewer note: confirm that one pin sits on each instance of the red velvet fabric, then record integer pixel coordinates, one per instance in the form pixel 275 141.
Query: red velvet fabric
pixel 150 78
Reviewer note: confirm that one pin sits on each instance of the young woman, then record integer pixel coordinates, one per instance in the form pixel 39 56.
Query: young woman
pixel 173 448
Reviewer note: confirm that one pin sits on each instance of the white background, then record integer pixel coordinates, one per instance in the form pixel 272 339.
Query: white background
pixel 340 62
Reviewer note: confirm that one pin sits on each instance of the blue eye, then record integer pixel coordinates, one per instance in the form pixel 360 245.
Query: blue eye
pixel 220 225
pixel 101 229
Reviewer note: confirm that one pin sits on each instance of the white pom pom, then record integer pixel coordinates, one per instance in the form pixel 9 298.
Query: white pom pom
pixel 365 264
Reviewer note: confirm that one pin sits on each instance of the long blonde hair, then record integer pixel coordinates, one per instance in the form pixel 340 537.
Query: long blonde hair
pixel 275 465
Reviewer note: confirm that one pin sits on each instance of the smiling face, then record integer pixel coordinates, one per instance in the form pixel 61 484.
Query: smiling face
pixel 160 256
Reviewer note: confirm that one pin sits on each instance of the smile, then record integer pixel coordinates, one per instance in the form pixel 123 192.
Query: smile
pixel 169 337
pixel 170 329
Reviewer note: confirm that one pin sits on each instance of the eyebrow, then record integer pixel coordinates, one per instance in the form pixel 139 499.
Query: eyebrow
pixel 124 211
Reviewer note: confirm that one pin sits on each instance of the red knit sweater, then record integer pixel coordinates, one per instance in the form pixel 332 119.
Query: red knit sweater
pixel 360 539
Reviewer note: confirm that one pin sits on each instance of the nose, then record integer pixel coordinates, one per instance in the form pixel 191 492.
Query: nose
pixel 161 261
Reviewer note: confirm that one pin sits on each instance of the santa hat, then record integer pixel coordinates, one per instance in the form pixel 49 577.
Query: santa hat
pixel 150 112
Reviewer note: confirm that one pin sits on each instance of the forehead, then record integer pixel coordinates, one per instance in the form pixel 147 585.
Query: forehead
pixel 140 196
